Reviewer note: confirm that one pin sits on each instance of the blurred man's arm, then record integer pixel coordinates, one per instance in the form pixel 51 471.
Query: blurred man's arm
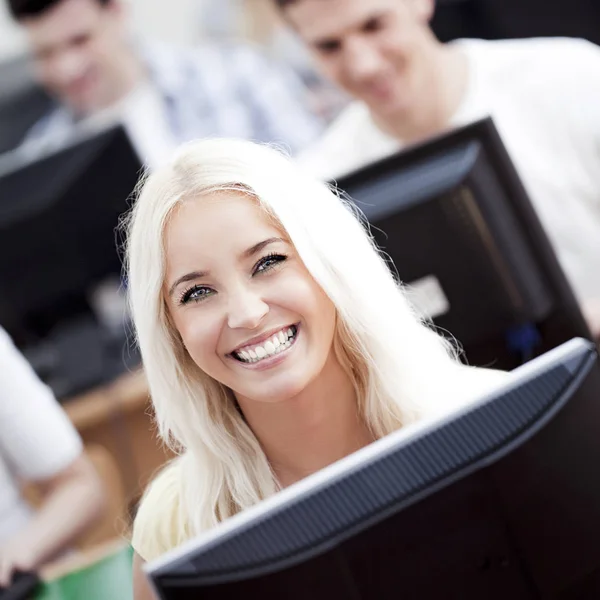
pixel 39 444
pixel 72 500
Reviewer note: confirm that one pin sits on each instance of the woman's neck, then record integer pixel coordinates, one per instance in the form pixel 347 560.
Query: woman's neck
pixel 319 426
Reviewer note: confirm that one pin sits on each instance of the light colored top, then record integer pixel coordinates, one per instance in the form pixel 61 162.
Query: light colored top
pixel 161 522
pixel 154 144
pixel 543 95
pixel 211 90
pixel 142 113
pixel 37 440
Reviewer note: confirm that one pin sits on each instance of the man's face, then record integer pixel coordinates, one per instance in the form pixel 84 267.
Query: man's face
pixel 76 46
pixel 377 50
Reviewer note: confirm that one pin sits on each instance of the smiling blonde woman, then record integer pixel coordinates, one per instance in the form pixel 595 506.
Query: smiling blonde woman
pixel 274 337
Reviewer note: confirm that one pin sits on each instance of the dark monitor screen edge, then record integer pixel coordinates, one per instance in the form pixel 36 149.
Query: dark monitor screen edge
pixel 59 213
pixel 348 499
pixel 453 210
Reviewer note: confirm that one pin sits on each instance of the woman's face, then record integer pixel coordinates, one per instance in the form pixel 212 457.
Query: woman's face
pixel 247 310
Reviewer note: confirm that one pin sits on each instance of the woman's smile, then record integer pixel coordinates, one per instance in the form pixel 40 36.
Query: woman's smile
pixel 270 352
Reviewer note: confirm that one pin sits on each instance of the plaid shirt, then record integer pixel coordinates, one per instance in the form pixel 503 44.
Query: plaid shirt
pixel 213 91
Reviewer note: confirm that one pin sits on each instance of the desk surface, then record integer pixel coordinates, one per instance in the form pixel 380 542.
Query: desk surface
pixel 119 418
pixel 127 393
pixel 81 560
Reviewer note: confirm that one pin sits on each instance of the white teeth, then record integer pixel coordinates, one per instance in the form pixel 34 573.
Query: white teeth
pixel 278 342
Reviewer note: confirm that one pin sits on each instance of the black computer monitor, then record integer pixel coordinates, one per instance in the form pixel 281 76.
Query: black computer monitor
pixel 58 240
pixel 498 500
pixel 457 223
pixel 501 19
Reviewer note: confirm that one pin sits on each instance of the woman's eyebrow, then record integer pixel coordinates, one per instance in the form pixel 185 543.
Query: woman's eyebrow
pixel 258 247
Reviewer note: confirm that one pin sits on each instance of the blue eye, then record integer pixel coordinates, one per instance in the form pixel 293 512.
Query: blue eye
pixel 196 293
pixel 268 262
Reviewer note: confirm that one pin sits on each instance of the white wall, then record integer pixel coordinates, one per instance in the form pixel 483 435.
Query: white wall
pixel 176 21
pixel 11 42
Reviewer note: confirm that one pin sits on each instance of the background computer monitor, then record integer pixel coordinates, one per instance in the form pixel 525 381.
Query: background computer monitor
pixel 58 241
pixel 500 19
pixel 499 500
pixel 458 225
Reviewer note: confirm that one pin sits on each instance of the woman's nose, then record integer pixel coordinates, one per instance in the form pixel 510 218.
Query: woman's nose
pixel 246 310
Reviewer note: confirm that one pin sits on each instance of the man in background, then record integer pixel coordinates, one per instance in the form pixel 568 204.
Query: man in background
pixel 39 445
pixel 86 59
pixel 542 94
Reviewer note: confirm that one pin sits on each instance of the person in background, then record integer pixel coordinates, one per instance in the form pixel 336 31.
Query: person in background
pixel 39 445
pixel 261 23
pixel 542 94
pixel 273 344
pixel 88 61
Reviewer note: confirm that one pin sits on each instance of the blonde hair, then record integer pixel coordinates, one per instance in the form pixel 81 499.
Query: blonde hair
pixel 401 368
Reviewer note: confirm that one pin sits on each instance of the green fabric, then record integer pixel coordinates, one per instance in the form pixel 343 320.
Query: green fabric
pixel 108 579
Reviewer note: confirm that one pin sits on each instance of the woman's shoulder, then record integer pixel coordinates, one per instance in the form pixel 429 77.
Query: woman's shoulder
pixel 478 381
pixel 160 523
pixel 461 386
pixel 486 377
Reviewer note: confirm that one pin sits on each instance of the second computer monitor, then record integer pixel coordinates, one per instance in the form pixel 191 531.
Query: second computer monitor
pixel 459 227
pixel 59 243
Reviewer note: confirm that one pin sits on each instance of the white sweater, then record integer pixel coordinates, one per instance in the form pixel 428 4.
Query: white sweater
pixel 544 97
pixel 37 440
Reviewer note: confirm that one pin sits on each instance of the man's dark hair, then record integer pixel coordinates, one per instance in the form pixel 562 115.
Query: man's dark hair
pixel 21 9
